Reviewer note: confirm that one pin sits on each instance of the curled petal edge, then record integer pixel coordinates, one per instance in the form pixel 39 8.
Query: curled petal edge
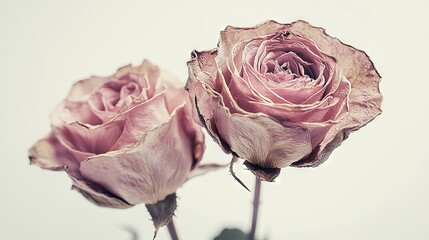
pixel 98 195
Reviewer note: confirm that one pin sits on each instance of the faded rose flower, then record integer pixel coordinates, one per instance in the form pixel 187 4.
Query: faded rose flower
pixel 124 139
pixel 281 95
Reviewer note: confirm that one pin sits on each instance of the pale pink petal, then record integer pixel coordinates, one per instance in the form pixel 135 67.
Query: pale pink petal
pixel 141 119
pixel 169 80
pixel 317 131
pixel 68 112
pixel 261 140
pixel 233 35
pixel 81 91
pixel 365 97
pixel 200 87
pixel 86 140
pixel 175 97
pixel 328 110
pixel 149 171
pixel 193 131
pixel 149 74
pixel 97 194
pixel 152 72
pixel 49 153
pixel 98 107
pixel 204 63
pixel 77 154
pixel 179 98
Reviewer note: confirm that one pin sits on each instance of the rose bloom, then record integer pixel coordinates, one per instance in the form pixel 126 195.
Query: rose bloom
pixel 124 139
pixel 281 95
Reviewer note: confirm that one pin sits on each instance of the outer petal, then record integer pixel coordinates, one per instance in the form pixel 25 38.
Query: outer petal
pixel 177 98
pixel 81 90
pixel 201 85
pixel 204 64
pixel 68 112
pixel 148 172
pixel 261 140
pixel 141 119
pixel 166 78
pixel 233 35
pixel 365 97
pixel 49 153
pixel 97 195
pixel 84 139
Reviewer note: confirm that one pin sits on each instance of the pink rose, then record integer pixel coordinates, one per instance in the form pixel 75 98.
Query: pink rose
pixel 281 95
pixel 124 139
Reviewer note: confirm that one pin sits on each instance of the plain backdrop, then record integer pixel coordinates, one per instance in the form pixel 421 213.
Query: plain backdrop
pixel 375 186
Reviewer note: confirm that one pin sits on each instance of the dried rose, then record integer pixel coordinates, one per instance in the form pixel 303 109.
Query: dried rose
pixel 124 139
pixel 281 95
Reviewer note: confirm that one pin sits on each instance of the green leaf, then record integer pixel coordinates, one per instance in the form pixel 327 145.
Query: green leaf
pixel 231 234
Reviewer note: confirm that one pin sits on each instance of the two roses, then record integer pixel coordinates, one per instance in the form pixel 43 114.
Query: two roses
pixel 275 95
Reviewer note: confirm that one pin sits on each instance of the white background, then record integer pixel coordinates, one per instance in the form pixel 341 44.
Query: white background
pixel 375 186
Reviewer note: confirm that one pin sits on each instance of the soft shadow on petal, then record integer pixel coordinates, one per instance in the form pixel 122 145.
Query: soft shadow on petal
pixel 191 129
pixel 175 97
pixel 68 112
pixel 356 66
pixel 87 140
pixel 49 153
pixel 146 173
pixel 171 81
pixel 233 35
pixel 81 90
pixel 261 140
pixel 203 63
pixel 97 195
pixel 141 119
pixel 200 86
pixel 364 99
pixel 150 71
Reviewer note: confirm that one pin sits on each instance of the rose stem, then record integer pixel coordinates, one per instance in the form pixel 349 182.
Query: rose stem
pixel 256 198
pixel 172 230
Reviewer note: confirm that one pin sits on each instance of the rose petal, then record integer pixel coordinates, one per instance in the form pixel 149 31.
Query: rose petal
pixel 86 140
pixel 328 110
pixel 261 140
pixel 77 154
pixel 98 108
pixel 141 119
pixel 179 98
pixel 169 80
pixel 149 171
pixel 233 35
pixel 200 86
pixel 356 66
pixel 205 63
pixel 68 112
pixel 364 99
pixel 81 90
pixel 49 153
pixel 148 70
pixel 98 195
pixel 174 98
